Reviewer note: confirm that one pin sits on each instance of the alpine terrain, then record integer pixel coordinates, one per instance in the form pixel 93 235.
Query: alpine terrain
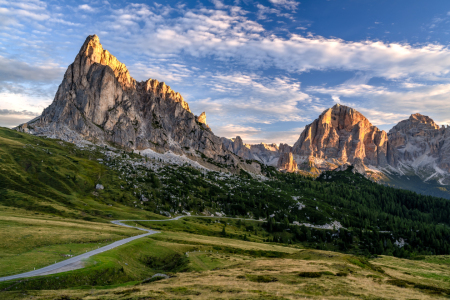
pixel 118 191
pixel 98 101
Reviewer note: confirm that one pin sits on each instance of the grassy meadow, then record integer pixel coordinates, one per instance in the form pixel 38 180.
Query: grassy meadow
pixel 33 240
pixel 203 267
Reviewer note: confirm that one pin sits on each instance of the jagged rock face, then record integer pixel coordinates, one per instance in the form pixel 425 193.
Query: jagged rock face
pixel 286 162
pixel 419 144
pixel 358 167
pixel 99 101
pixel 202 118
pixel 343 134
pixel 265 153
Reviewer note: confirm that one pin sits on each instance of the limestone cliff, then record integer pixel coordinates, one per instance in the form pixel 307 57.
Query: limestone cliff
pixel 342 134
pixel 418 145
pixel 286 162
pixel 268 154
pixel 100 102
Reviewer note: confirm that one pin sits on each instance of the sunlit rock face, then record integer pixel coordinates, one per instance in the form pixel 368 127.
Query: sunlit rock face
pixel 418 145
pixel 202 118
pixel 342 134
pixel 286 162
pixel 100 102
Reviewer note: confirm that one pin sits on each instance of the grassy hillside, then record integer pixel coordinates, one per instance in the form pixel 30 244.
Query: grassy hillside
pixel 34 240
pixel 205 268
pixel 50 208
pixel 58 178
pixel 53 177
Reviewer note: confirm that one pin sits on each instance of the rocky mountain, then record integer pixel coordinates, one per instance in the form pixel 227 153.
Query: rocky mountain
pixel 418 146
pixel 341 134
pixel 268 154
pixel 99 101
pixel 286 162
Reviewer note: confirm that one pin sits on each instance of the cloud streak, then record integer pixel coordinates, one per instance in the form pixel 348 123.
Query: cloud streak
pixel 226 36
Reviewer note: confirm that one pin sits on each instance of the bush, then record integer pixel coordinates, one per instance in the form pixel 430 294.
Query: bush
pixel 262 278
pixel 310 274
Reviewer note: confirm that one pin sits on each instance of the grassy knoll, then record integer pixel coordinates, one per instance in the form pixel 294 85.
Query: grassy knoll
pixel 49 206
pixel 211 271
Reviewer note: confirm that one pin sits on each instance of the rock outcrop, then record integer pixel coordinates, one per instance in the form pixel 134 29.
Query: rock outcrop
pixel 268 154
pixel 100 102
pixel 340 135
pixel 418 145
pixel 358 167
pixel 286 162
pixel 202 118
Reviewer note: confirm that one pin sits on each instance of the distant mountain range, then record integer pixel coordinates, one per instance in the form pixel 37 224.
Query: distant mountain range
pixel 414 154
pixel 99 102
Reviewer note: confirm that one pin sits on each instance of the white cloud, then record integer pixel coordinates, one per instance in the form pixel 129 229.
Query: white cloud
pixel 225 36
pixel 160 70
pixel 17 102
pixel 86 8
pixel 287 4
pixel 261 100
pixel 252 135
pixel 13 70
pixel 336 99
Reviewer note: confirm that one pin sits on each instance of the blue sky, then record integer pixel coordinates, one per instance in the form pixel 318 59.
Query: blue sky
pixel 262 70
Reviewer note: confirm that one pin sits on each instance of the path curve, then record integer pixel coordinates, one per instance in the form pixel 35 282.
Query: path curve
pixel 76 259
pixel 54 268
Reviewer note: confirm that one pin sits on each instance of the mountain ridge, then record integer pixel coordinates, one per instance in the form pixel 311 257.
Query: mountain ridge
pixel 98 101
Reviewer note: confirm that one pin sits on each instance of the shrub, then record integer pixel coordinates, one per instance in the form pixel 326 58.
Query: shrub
pixel 310 274
pixel 261 278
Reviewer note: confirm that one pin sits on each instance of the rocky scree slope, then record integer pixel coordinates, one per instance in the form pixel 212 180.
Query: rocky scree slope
pixel 100 102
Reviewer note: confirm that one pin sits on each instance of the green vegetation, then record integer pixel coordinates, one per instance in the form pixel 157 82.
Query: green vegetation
pixel 31 240
pixel 61 180
pixel 197 270
pixel 50 208
pixel 58 178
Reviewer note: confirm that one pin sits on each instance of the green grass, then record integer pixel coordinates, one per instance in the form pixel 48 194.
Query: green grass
pixel 31 240
pixel 53 177
pixel 235 229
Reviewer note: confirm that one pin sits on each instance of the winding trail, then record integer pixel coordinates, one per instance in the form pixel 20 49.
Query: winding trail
pixel 62 266
pixel 76 261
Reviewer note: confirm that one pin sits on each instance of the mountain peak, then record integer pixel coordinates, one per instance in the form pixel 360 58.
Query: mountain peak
pixel 98 101
pixel 344 134
pixel 415 122
pixel 92 52
pixel 423 119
